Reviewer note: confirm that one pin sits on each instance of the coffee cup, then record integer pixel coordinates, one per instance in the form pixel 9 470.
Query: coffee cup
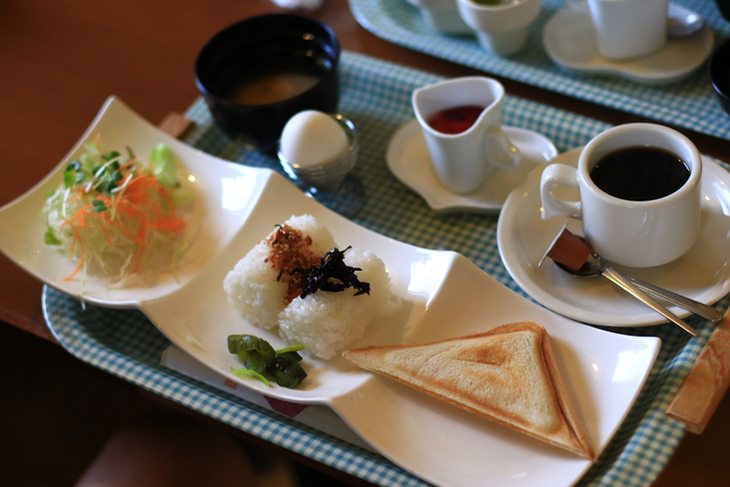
pixel 639 187
pixel 461 120
pixel 501 27
pixel 626 29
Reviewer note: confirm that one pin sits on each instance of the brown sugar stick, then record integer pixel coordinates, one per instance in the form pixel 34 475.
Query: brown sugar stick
pixel 707 381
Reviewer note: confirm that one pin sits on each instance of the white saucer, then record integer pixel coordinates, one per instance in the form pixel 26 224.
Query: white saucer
pixel 409 160
pixel 703 273
pixel 569 40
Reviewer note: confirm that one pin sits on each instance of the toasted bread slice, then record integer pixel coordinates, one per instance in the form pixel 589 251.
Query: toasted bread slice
pixel 507 374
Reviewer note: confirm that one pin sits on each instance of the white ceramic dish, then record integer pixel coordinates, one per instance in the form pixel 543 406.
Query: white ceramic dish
pixel 408 159
pixel 569 40
pixel 703 273
pixel 444 295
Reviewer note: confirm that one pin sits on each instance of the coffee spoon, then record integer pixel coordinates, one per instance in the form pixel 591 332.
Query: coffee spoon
pixel 587 263
pixel 682 22
pixel 573 255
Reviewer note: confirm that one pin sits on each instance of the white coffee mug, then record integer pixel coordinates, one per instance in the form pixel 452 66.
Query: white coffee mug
pixel 463 161
pixel 627 29
pixel 626 232
pixel 502 28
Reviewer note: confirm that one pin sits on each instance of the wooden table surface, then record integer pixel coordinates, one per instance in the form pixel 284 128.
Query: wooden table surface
pixel 61 59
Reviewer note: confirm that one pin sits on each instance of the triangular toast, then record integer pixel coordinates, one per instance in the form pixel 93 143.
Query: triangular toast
pixel 507 374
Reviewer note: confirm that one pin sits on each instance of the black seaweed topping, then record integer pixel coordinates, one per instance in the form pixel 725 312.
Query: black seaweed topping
pixel 332 275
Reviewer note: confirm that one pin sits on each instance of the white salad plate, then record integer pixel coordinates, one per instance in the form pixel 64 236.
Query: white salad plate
pixel 703 273
pixel 409 160
pixel 569 40
pixel 443 295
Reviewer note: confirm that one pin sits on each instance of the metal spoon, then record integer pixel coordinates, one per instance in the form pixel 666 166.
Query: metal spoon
pixel 573 255
pixel 625 284
pixel 594 266
pixel 682 22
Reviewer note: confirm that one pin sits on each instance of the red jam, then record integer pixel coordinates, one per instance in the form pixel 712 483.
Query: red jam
pixel 455 120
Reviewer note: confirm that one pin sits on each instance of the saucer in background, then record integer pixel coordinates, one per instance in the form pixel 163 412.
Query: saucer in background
pixel 569 40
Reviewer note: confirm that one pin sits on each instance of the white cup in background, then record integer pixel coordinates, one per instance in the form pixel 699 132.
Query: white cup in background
pixel 626 29
pixel 463 161
pixel 503 28
pixel 630 232
pixel 442 15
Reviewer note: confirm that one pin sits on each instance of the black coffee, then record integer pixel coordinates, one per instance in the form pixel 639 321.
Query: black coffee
pixel 640 173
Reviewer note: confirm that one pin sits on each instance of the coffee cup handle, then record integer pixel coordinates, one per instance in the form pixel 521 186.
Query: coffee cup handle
pixel 500 151
pixel 553 176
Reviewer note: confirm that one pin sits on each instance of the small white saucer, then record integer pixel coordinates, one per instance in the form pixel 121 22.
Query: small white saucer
pixel 569 40
pixel 408 159
pixel 703 273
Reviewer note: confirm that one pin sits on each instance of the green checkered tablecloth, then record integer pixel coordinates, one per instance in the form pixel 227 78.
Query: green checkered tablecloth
pixel 689 103
pixel 376 97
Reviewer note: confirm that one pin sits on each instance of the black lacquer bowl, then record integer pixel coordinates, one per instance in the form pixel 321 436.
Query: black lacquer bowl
pixel 268 47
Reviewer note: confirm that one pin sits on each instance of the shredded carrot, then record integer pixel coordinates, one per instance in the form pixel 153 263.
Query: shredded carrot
pixel 137 204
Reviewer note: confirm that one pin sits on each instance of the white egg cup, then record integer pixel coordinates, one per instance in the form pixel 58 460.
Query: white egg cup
pixel 331 183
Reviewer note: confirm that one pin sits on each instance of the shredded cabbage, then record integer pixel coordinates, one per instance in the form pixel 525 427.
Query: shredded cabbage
pixel 116 217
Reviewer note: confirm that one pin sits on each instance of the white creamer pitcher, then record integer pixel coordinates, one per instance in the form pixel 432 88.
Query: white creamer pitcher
pixel 463 161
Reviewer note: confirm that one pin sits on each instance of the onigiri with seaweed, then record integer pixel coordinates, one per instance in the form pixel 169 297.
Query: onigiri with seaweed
pixel 297 280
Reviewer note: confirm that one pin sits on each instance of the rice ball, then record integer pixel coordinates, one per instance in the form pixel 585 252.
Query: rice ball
pixel 252 285
pixel 327 322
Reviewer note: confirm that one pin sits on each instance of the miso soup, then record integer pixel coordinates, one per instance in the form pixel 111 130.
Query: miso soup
pixel 272 87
